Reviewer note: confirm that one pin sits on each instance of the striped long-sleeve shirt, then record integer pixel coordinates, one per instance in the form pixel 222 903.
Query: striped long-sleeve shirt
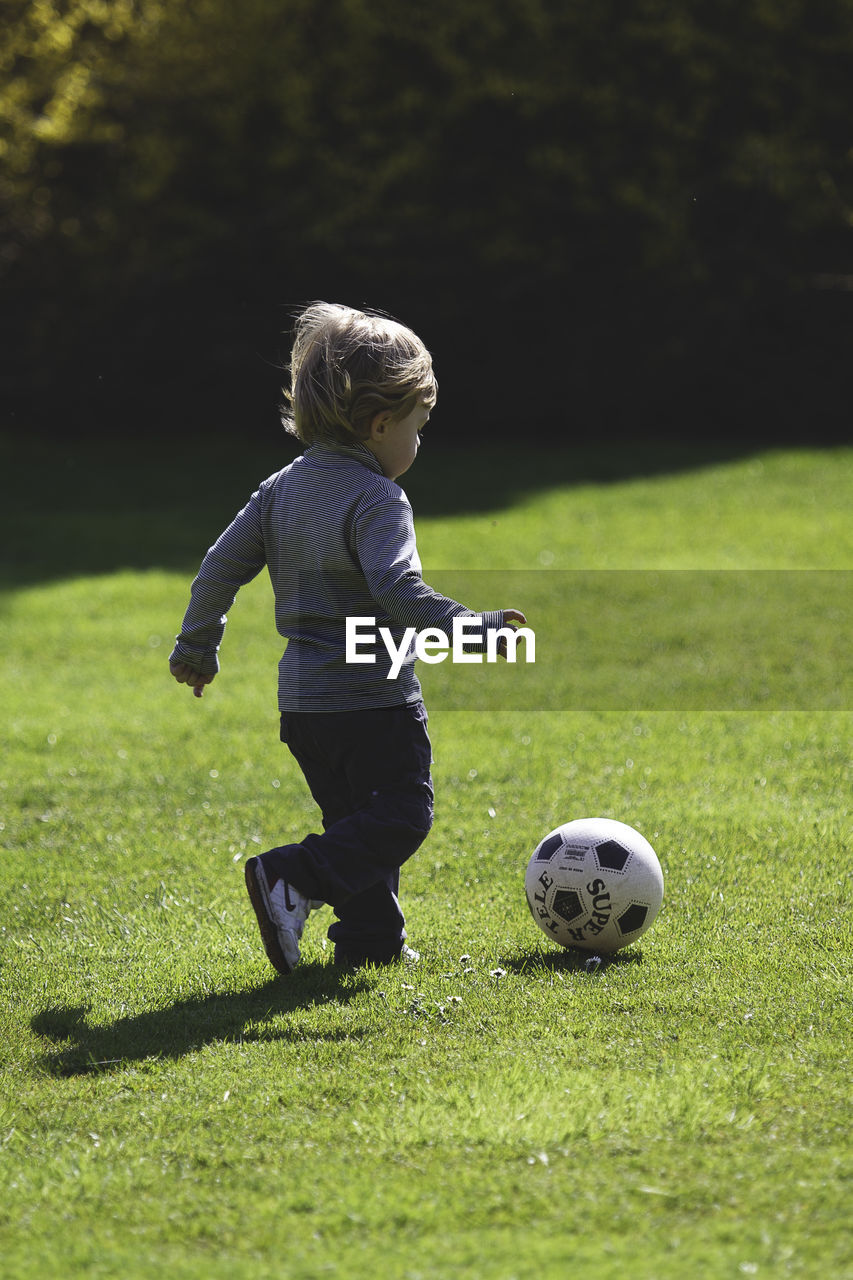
pixel 338 540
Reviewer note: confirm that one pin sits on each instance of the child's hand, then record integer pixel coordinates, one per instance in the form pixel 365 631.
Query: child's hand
pixel 185 674
pixel 514 616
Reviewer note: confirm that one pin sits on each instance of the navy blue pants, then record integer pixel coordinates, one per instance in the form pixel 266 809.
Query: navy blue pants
pixel 369 772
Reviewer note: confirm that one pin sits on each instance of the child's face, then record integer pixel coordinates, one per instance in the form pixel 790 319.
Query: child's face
pixel 395 444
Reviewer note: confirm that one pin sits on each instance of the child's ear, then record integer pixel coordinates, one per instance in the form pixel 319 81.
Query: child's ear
pixel 379 424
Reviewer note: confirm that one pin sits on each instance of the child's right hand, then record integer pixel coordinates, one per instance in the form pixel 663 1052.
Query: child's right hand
pixel 515 616
pixel 185 674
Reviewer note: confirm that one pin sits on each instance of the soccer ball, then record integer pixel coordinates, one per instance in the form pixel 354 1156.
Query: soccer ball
pixel 595 884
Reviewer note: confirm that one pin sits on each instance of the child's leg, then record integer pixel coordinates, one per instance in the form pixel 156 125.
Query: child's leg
pixel 370 774
pixel 370 927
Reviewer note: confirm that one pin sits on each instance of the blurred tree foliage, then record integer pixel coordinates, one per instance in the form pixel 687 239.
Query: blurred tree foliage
pixel 646 200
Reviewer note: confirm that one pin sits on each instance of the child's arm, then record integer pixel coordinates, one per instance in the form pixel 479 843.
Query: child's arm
pixel 386 548
pixel 236 558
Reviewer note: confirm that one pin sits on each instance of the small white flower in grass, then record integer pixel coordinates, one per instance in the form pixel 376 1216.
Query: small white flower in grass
pixel 226 1095
pixel 497 973
pixel 464 959
pixel 454 999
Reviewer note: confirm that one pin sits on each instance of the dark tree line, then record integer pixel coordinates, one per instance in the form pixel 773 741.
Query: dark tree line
pixel 603 216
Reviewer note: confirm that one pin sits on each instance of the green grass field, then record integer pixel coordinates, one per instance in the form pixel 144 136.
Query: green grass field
pixel 171 1108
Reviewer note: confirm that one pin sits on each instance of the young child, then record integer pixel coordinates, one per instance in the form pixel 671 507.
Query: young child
pixel 336 534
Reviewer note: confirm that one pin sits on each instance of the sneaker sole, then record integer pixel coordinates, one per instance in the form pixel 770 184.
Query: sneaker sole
pixel 269 936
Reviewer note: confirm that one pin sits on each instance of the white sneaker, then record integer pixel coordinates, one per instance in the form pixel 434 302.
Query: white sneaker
pixel 281 911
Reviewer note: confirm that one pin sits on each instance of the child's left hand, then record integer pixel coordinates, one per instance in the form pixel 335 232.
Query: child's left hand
pixel 185 674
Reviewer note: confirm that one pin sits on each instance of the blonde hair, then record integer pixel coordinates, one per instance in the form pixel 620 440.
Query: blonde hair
pixel 347 366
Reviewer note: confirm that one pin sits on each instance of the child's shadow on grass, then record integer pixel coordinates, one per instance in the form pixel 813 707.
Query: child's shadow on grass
pixel 188 1025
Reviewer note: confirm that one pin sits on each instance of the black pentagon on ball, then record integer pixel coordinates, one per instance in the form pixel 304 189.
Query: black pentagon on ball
pixel 612 856
pixel 567 905
pixel 632 919
pixel 549 847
